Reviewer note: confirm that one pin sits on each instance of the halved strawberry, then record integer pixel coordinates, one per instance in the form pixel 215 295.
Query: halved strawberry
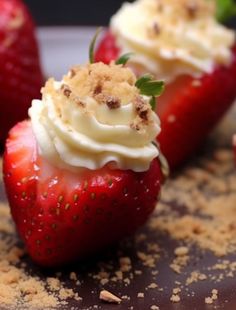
pixel 63 215
pixel 189 108
pixel 20 73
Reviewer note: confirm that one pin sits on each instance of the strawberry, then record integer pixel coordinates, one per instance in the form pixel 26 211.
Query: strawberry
pixel 62 215
pixel 20 74
pixel 189 108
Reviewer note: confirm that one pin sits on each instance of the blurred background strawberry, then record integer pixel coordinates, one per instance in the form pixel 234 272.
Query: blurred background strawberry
pixel 20 73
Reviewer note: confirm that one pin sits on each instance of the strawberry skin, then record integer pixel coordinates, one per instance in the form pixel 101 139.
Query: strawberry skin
pixel 20 73
pixel 63 216
pixel 189 108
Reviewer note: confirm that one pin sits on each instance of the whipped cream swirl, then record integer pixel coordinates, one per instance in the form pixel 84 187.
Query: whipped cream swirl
pixel 94 117
pixel 173 37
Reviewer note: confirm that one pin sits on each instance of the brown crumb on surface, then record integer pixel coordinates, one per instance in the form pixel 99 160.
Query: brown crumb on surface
pixel 109 297
pixel 152 285
pixel 140 295
pixel 195 276
pixel 208 300
pixel 148 260
pixel 176 290
pixel 213 297
pixel 179 262
pixel 181 251
pixel 175 298
pixel 54 284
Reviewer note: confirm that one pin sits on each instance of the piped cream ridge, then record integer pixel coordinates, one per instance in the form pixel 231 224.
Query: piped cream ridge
pixel 95 116
pixel 172 37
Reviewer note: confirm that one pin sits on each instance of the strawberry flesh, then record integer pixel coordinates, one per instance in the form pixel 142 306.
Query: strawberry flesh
pixel 62 215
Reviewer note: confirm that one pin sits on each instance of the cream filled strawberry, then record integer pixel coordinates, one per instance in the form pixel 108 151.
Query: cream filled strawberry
pixel 182 43
pixel 83 171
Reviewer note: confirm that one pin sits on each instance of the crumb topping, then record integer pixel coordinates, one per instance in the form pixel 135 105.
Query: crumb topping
pixel 189 8
pixel 112 85
pixel 98 78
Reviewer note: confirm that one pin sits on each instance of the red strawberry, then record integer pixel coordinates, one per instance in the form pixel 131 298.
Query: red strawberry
pixel 20 73
pixel 61 215
pixel 189 108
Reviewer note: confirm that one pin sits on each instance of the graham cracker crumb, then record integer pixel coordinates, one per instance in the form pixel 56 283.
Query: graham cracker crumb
pixel 181 251
pixel 212 298
pixel 176 290
pixel 152 285
pixel 54 284
pixel 109 297
pixel 175 298
pixel 194 277
pixel 208 300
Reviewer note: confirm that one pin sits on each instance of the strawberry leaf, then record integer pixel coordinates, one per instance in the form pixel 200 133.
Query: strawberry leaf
pixel 225 10
pixel 143 80
pixel 124 59
pixel 150 87
pixel 92 45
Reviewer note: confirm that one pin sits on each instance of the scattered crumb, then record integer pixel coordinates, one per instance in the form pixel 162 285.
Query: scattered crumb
pixel 195 276
pixel 208 300
pixel 140 295
pixel 109 297
pixel 152 285
pixel 181 251
pixel 175 298
pixel 176 290
pixel 212 298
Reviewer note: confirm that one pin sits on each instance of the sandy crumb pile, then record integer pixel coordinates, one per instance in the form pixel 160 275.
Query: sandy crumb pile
pixel 205 210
